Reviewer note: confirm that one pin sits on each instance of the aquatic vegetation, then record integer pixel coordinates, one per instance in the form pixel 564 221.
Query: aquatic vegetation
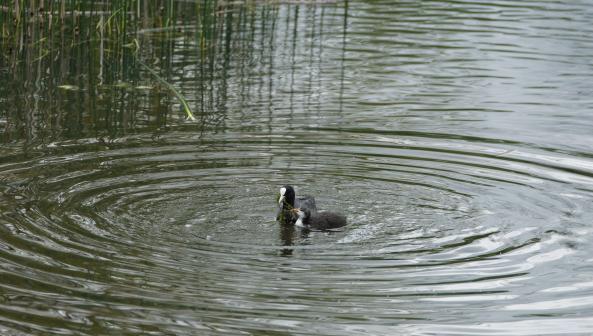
pixel 105 49
pixel 183 101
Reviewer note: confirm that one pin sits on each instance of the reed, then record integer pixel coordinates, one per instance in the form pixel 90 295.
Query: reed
pixel 179 96
pixel 88 64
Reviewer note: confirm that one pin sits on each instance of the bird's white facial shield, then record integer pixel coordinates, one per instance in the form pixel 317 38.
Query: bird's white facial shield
pixel 282 197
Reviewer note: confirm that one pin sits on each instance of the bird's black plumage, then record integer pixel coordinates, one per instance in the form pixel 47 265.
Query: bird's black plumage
pixel 320 221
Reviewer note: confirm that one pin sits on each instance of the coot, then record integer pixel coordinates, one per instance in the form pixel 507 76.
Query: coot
pixel 319 221
pixel 289 201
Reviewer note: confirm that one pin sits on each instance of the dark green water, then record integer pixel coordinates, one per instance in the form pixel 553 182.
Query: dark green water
pixel 456 135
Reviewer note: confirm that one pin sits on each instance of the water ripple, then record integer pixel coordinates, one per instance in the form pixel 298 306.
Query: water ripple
pixel 446 131
pixel 433 219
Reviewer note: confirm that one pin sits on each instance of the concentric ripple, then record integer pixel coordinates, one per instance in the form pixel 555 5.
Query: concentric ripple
pixel 455 135
pixel 179 236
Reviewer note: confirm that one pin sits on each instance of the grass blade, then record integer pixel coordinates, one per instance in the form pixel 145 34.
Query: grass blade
pixel 188 112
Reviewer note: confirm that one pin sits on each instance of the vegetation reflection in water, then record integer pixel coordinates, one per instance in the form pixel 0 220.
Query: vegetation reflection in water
pixel 115 61
pixel 450 132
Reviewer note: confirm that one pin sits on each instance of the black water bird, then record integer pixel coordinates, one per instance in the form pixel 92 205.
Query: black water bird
pixel 320 220
pixel 289 201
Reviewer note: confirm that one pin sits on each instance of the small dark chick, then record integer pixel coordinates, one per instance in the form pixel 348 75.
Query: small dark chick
pixel 320 220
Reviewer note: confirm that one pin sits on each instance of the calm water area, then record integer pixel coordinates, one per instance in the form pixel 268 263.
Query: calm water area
pixel 457 137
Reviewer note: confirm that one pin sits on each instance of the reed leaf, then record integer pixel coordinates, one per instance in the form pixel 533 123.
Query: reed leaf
pixel 188 112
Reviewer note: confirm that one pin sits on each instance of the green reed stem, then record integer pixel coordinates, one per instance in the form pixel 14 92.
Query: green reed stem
pixel 188 112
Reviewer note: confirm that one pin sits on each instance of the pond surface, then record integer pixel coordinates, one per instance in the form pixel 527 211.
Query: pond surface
pixel 457 136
